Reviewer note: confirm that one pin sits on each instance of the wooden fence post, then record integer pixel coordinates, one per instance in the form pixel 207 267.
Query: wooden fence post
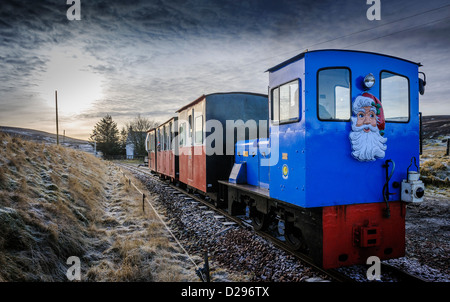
pixel 143 202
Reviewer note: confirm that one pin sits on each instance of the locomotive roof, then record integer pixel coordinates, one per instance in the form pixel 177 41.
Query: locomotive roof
pixel 301 55
pixel 217 93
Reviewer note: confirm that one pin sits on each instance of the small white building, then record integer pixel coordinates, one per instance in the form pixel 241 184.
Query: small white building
pixel 129 150
pixel 132 138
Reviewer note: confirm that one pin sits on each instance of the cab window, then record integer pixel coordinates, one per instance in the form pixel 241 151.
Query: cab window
pixel 285 103
pixel 333 94
pixel 395 97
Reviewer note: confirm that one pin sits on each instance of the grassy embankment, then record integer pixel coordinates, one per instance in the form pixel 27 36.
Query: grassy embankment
pixel 56 202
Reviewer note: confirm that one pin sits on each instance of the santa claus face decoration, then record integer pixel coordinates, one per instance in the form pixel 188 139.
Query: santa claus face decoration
pixel 368 124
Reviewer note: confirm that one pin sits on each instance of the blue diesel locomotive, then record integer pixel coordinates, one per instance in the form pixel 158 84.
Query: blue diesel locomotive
pixel 341 160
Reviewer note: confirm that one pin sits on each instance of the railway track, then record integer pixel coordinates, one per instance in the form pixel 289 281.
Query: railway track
pixel 339 275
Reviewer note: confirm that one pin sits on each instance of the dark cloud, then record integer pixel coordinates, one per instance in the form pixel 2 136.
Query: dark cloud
pixel 155 56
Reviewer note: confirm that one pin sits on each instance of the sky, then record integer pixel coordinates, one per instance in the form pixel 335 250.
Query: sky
pixel 125 58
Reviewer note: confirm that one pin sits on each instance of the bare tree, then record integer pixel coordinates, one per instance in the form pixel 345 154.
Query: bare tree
pixel 136 130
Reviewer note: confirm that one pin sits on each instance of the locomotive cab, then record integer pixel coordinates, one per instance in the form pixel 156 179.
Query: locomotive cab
pixel 344 137
pixel 336 118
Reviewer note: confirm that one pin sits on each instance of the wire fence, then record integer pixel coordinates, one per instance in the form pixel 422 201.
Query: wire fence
pixel 204 276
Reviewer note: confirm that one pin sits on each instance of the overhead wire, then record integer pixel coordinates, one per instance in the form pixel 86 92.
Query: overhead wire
pixel 294 52
pixel 379 26
pixel 359 32
pixel 400 31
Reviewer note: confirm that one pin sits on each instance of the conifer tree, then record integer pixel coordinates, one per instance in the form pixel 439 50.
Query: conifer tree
pixel 106 135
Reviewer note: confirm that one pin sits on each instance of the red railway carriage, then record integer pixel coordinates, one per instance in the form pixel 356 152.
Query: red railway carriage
pixel 167 149
pixel 206 144
pixel 150 145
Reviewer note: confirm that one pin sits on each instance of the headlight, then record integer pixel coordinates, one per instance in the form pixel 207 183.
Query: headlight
pixel 369 81
pixel 419 192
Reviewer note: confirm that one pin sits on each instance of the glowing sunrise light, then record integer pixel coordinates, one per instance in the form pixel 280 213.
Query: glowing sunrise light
pixel 69 71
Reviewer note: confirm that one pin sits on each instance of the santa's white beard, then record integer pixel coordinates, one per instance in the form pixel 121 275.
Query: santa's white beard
pixel 367 146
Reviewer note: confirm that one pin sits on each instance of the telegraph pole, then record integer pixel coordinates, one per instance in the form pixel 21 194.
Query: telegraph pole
pixel 56 102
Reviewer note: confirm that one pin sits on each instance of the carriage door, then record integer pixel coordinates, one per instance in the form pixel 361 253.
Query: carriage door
pixel 190 141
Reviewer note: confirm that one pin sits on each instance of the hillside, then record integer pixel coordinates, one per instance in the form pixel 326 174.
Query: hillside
pixel 436 126
pixel 45 137
pixel 56 202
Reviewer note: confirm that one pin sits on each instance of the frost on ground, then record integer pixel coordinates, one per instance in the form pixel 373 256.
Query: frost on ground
pixel 48 138
pixel 56 202
pixel 133 243
pixel 428 237
pixel 435 164
pixel 428 222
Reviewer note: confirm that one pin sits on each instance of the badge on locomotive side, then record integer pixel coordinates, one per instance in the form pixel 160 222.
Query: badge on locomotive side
pixel 368 125
pixel 285 171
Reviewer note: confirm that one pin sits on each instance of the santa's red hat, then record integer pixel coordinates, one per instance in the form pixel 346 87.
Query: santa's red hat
pixel 367 99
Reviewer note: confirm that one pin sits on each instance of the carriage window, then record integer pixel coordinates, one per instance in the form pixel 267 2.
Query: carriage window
pixel 159 138
pixel 149 142
pixel 285 103
pixel 152 142
pixel 169 137
pixel 199 130
pixel 395 97
pixel 333 94
pixel 190 125
pixel 164 147
pixel 182 134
